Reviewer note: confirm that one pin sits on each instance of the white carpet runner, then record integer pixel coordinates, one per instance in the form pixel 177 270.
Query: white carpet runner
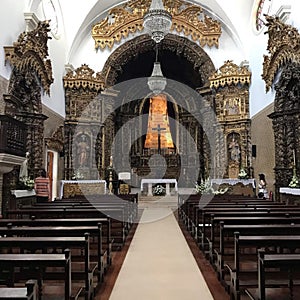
pixel 159 263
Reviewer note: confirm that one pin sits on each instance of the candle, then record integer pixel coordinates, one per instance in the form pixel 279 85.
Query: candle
pixel 294 157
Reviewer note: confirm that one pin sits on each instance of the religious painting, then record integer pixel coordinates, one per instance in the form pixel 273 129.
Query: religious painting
pixel 232 106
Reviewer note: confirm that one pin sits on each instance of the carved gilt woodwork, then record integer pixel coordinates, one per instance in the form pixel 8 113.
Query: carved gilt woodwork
pixel 72 190
pixel 231 84
pixel 56 141
pixel 232 104
pixel 283 48
pixel 31 70
pixel 86 109
pixel 187 18
pixel 84 77
pixel 141 44
pixel 230 74
pixel 284 56
pixel 30 52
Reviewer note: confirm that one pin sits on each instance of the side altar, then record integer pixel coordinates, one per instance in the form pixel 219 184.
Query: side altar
pixel 289 195
pixel 237 186
pixel 73 188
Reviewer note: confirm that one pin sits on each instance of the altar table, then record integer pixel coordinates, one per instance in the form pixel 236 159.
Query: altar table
pixel 151 181
pixel 291 191
pixel 289 195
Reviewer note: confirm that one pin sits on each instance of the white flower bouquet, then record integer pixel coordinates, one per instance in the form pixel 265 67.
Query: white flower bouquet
pixel 158 190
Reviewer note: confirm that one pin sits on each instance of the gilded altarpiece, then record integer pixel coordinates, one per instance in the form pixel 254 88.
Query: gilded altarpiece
pixel 281 69
pixel 231 85
pixel 84 134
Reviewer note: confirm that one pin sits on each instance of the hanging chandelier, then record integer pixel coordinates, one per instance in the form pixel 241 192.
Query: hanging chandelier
pixel 157 82
pixel 157 21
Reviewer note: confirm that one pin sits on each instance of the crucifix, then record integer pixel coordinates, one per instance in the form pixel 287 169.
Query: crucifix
pixel 159 129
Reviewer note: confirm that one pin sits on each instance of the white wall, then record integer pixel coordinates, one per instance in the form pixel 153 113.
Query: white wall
pixel 12 23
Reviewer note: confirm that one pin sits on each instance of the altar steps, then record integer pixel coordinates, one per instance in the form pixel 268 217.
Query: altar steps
pixel 169 201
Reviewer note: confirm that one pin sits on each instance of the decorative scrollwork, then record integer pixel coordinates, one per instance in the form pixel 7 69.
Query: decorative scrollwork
pixel 30 51
pixel 230 74
pixel 186 18
pixel 283 46
pixel 84 77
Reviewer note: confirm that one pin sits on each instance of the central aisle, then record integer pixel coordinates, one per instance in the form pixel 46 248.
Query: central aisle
pixel 159 263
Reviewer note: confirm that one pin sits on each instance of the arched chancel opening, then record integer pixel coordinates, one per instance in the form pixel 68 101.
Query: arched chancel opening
pixel 181 61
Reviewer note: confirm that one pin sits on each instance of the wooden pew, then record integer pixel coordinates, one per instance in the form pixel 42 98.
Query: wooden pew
pixel 218 222
pixel 186 202
pixel 46 244
pixel 130 200
pixel 9 261
pixel 197 215
pixel 29 292
pixel 225 253
pixel 67 231
pixel 290 263
pixel 118 224
pixel 106 241
pixel 208 215
pixel 237 280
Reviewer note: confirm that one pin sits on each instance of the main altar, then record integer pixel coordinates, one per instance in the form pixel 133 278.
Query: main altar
pixel 151 181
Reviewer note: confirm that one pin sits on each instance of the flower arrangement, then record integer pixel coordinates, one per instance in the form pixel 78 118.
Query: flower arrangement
pixel 77 175
pixel 26 184
pixel 204 187
pixel 295 181
pixel 158 190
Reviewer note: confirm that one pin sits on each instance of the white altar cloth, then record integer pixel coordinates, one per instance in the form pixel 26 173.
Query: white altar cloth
pixel 291 191
pixel 150 181
pixel 233 181
pixel 23 193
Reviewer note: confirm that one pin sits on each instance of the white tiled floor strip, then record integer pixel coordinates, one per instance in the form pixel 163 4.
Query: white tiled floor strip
pixel 159 263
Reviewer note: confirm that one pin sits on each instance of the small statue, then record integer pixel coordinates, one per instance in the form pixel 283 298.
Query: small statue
pixel 234 149
pixel 82 151
pixel 23 176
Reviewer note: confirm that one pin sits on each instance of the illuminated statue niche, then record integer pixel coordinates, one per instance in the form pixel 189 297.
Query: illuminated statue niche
pixel 158 130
